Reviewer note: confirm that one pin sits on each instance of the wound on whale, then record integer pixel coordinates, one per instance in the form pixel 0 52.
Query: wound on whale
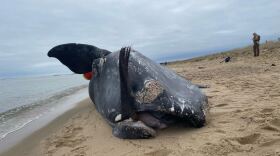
pixel 135 95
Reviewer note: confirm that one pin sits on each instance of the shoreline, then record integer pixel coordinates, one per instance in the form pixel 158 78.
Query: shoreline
pixel 18 142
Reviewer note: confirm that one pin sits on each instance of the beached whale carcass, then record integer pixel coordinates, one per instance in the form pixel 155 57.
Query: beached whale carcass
pixel 134 94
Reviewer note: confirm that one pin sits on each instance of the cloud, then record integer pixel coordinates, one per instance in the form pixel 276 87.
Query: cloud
pixel 158 29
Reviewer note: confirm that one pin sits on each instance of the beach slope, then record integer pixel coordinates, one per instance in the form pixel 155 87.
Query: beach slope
pixel 244 97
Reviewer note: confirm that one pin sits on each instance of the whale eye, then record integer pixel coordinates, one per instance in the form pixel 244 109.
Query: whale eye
pixel 88 75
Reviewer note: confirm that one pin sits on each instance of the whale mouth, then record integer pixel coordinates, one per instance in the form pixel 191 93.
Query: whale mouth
pixel 156 120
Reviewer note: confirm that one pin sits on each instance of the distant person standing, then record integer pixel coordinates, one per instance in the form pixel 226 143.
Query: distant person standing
pixel 256 41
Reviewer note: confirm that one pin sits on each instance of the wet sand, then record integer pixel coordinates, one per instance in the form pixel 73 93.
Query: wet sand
pixel 244 99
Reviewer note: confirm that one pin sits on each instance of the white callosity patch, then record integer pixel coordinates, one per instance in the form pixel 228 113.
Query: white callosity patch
pixel 101 62
pixel 150 92
pixel 205 109
pixel 118 117
pixel 184 103
pixel 97 65
pixel 111 110
pixel 172 109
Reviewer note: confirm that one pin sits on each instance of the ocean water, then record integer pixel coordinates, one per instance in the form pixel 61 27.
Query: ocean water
pixel 23 100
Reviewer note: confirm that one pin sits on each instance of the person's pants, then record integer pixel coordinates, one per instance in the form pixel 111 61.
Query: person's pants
pixel 256 49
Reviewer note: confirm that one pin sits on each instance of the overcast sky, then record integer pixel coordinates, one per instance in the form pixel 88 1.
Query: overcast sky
pixel 161 30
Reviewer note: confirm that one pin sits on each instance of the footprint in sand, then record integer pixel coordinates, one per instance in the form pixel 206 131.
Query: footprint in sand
pixel 270 143
pixel 267 110
pixel 270 127
pixel 161 152
pixel 221 105
pixel 220 131
pixel 238 111
pixel 210 96
pixel 273 125
pixel 249 139
pixel 223 122
pixel 275 122
pixel 215 91
pixel 69 139
pixel 80 150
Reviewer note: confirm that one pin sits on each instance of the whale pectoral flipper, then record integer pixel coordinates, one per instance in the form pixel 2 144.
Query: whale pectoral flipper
pixel 133 130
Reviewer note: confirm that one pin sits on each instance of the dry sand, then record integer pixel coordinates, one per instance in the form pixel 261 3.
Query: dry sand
pixel 244 97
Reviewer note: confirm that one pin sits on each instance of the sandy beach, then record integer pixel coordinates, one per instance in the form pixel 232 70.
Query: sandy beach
pixel 244 99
